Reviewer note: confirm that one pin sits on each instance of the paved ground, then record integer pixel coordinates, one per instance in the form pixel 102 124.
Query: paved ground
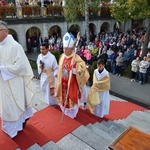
pixel 122 87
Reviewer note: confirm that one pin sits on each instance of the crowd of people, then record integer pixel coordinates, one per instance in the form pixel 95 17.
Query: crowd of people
pixel 120 50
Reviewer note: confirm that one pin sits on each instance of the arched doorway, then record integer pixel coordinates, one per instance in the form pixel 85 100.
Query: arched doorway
pixel 117 26
pixel 104 27
pixel 54 31
pixel 32 40
pixel 13 33
pixel 74 29
pixel 137 24
pixel 92 29
pixel 33 31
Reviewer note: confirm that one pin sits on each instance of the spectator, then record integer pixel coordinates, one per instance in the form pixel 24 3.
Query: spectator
pixel 143 66
pixel 113 62
pixel 135 69
pixel 119 64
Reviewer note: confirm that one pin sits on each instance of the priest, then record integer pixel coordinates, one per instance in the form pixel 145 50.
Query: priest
pixel 71 79
pixel 15 84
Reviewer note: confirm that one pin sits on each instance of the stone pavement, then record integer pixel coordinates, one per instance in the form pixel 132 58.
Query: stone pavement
pixel 131 91
pixel 123 88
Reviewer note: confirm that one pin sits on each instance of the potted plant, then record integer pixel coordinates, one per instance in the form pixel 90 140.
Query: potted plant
pixel 105 11
pixel 10 10
pixel 57 10
pixel 2 12
pixel 27 10
pixel 50 10
pixel 36 10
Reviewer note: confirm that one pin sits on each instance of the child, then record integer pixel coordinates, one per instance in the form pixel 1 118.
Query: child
pixel 99 97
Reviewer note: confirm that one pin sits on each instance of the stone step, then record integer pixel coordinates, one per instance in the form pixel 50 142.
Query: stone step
pixel 51 146
pixel 112 131
pixel 143 116
pixel 143 124
pixel 90 138
pixel 147 111
pixel 35 147
pixel 110 123
pixel 132 121
pixel 100 132
pixel 38 104
pixel 122 121
pixel 111 126
pixel 71 142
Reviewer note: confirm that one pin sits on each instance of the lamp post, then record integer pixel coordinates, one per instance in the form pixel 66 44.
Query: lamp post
pixel 43 9
pixel 19 9
pixel 42 4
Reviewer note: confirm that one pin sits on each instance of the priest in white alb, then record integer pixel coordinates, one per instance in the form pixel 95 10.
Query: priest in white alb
pixel 47 68
pixel 15 84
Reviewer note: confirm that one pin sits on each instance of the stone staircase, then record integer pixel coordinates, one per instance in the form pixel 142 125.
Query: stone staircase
pixel 97 136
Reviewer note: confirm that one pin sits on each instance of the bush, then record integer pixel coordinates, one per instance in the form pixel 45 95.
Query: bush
pixel 56 54
pixel 33 65
pixel 91 71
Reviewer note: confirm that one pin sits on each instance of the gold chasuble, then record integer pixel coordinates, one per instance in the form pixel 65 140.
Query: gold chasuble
pixel 98 86
pixel 77 81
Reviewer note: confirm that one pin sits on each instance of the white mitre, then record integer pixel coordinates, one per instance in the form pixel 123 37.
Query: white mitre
pixel 68 40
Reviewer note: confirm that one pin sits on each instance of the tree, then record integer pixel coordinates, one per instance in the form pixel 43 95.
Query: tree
pixel 74 8
pixel 122 10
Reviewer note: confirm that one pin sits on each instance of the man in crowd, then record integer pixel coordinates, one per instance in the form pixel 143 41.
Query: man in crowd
pixel 71 79
pixel 47 68
pixel 15 84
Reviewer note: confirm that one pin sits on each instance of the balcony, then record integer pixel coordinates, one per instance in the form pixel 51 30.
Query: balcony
pixel 34 13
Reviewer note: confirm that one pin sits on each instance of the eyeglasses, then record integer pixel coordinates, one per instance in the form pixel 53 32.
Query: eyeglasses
pixel 2 29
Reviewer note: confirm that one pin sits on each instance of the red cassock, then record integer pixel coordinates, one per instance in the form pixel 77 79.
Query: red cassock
pixel 74 93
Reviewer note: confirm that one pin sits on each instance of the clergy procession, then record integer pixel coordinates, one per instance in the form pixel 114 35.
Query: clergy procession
pixel 63 84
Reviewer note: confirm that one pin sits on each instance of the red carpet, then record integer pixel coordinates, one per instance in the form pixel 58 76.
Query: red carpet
pixel 24 140
pixel 85 117
pixel 121 109
pixel 6 143
pixel 47 122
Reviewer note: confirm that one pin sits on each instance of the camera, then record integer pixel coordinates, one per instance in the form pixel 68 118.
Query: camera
pixel 42 63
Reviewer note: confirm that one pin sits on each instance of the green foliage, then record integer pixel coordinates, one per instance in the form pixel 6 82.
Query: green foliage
pixel 120 11
pixel 123 10
pixel 56 54
pixel 139 9
pixel 71 10
pixel 33 65
pixel 7 10
pixel 91 70
pixel 74 8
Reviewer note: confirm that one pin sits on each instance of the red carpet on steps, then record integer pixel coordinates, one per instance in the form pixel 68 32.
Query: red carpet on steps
pixel 121 109
pixel 45 125
pixel 6 143
pixel 85 117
